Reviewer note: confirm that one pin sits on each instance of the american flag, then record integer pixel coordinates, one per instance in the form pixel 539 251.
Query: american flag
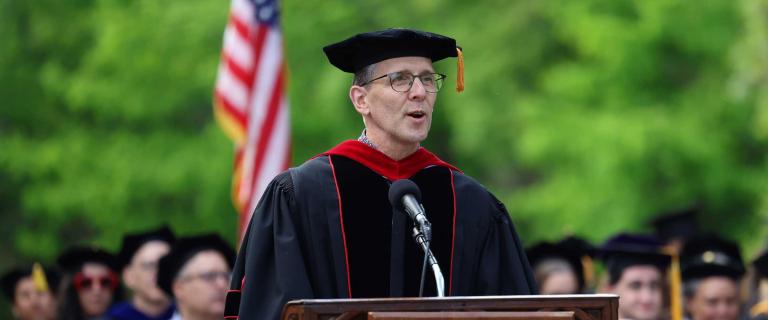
pixel 250 102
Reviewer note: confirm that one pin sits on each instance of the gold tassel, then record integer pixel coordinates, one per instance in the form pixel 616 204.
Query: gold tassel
pixel 38 277
pixel 459 71
pixel 675 290
pixel 588 271
pixel 759 309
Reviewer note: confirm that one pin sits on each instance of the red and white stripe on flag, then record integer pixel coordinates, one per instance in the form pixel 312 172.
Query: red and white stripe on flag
pixel 250 102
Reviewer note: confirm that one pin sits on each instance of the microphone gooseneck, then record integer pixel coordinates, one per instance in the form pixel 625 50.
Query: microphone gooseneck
pixel 404 195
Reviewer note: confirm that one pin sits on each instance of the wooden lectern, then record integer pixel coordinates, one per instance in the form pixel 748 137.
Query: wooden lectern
pixel 560 307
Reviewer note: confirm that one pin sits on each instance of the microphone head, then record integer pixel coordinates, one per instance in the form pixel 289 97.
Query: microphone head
pixel 399 189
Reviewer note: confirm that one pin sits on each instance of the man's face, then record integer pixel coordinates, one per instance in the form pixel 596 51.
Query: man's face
pixel 399 118
pixel 639 290
pixel 95 289
pixel 140 274
pixel 561 282
pixel 32 304
pixel 201 286
pixel 716 298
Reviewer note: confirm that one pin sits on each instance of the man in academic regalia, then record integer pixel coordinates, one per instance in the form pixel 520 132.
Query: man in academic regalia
pixel 31 292
pixel 138 256
pixel 559 267
pixel 90 283
pixel 196 273
pixel 636 267
pixel 712 269
pixel 326 229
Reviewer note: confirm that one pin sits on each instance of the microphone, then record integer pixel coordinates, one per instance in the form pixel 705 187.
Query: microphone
pixel 405 195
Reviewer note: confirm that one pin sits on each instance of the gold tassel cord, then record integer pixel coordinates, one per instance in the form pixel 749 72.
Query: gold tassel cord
pixel 675 290
pixel 588 271
pixel 759 309
pixel 38 277
pixel 459 71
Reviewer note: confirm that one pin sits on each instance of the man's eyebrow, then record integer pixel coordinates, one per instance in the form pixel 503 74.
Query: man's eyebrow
pixel 423 72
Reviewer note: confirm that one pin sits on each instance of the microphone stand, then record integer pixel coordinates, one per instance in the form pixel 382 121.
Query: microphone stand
pixel 423 242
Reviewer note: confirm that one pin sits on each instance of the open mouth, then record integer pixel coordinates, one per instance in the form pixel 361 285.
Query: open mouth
pixel 417 114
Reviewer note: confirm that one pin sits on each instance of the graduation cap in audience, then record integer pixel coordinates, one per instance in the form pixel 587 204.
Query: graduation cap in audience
pixel 361 50
pixel 72 260
pixel 709 255
pixel 677 224
pixel 626 250
pixel 133 242
pixel 43 278
pixel 184 250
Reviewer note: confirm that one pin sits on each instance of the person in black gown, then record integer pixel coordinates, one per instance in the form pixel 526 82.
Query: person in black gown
pixel 326 229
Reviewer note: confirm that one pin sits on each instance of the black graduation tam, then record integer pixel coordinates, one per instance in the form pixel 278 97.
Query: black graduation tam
pixel 364 49
pixel 625 250
pixel 761 264
pixel 579 245
pixel 679 223
pixel 10 279
pixel 185 249
pixel 546 250
pixel 74 258
pixel 133 242
pixel 710 255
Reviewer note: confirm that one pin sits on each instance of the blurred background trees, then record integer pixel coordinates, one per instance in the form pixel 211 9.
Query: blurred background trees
pixel 586 117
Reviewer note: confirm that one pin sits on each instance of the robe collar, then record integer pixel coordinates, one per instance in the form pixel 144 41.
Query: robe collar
pixel 383 164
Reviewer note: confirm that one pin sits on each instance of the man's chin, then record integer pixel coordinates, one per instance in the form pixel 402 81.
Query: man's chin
pixel 646 317
pixel 159 299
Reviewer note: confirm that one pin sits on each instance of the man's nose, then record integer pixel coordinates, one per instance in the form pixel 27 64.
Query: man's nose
pixel 417 92
pixel 646 295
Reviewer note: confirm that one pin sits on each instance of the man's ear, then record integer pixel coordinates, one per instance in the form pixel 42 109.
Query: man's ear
pixel 358 94
pixel 176 288
pixel 128 277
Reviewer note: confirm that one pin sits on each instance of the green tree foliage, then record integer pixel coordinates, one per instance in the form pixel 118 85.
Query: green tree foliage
pixel 585 117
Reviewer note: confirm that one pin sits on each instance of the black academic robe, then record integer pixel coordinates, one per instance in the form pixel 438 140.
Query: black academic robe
pixel 326 229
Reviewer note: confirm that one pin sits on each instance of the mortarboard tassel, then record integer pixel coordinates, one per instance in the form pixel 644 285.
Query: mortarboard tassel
pixel 588 271
pixel 459 71
pixel 759 309
pixel 675 290
pixel 38 277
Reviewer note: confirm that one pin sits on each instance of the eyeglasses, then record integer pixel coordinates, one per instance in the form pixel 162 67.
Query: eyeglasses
pixel 83 282
pixel 403 81
pixel 210 276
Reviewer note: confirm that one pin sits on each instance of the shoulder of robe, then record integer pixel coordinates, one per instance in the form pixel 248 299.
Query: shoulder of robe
pixel 468 186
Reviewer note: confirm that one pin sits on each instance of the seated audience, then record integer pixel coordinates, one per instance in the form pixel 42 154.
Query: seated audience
pixel 91 284
pixel 138 257
pixel 636 269
pixel 31 292
pixel 711 269
pixel 196 273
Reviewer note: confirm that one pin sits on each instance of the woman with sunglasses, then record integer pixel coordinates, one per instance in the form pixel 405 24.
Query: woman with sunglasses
pixel 91 284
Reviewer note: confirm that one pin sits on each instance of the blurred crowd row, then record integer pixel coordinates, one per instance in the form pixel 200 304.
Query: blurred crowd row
pixel 675 273
pixel 168 278
pixel 678 272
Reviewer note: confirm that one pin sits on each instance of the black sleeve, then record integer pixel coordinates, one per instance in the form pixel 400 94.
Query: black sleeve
pixel 504 268
pixel 270 268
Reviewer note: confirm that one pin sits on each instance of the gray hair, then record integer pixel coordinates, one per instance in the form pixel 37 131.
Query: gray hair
pixel 364 75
